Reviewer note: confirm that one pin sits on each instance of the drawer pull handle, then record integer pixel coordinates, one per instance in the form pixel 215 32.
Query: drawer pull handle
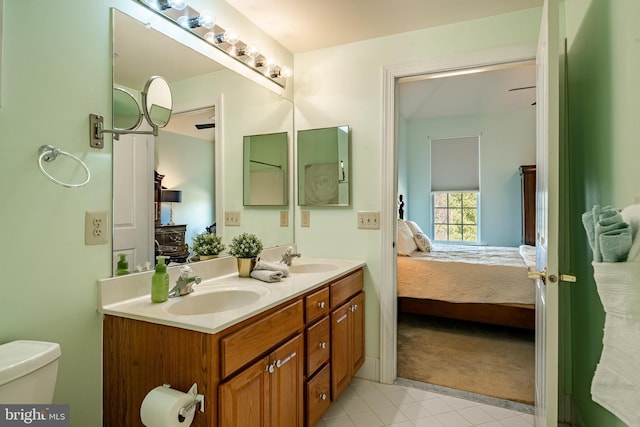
pixel 354 307
pixel 323 396
pixel 322 345
pixel 279 362
pixel 271 368
pixel 341 318
pixel 321 304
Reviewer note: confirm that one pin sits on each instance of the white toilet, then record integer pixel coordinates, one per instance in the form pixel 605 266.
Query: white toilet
pixel 28 371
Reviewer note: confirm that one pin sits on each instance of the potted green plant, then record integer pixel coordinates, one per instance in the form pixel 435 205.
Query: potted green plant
pixel 207 245
pixel 245 247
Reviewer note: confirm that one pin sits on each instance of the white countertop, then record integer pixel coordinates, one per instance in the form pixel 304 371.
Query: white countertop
pixel 129 296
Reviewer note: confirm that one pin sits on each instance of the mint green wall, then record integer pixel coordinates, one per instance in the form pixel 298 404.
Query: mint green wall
pixel 343 85
pixel 57 70
pixel 507 141
pixel 603 61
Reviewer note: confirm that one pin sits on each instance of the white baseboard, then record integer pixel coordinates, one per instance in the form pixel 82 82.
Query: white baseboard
pixel 370 369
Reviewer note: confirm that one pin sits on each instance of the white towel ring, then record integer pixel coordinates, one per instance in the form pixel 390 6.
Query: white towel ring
pixel 49 153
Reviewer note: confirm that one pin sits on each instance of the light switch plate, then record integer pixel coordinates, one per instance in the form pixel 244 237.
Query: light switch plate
pixel 369 220
pixel 305 218
pixel 284 218
pixel 232 218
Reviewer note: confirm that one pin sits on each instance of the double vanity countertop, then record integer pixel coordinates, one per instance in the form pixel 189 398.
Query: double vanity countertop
pixel 222 299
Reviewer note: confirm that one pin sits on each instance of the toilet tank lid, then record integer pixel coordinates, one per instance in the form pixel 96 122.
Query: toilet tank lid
pixel 19 358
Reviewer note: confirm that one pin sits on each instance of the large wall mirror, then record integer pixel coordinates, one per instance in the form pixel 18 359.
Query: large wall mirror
pixel 323 166
pixel 266 170
pixel 214 107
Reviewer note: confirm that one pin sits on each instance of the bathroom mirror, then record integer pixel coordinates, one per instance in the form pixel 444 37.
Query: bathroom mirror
pixel 266 170
pixel 126 110
pixel 226 106
pixel 323 166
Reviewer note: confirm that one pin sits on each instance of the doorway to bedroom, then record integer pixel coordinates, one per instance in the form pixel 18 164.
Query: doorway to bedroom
pixel 465 307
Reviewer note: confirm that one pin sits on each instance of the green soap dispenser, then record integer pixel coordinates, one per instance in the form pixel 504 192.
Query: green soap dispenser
pixel 160 281
pixel 123 265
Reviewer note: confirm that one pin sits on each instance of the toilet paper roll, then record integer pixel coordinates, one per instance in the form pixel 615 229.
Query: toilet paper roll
pixel 161 408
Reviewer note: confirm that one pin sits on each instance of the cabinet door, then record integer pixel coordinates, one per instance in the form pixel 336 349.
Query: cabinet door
pixel 356 332
pixel 287 384
pixel 340 343
pixel 347 343
pixel 244 399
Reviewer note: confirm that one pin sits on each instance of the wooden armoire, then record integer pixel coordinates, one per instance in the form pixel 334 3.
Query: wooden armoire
pixel 528 174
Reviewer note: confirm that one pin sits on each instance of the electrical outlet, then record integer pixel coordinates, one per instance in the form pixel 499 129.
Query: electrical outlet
pixel 96 228
pixel 305 218
pixel 284 218
pixel 232 218
pixel 369 220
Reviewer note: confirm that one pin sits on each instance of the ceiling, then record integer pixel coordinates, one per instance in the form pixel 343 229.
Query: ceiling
pixel 303 25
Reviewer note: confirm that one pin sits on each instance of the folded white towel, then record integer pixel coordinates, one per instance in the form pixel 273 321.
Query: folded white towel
pixel 631 215
pixel 272 266
pixel 267 275
pixel 616 381
pixel 618 286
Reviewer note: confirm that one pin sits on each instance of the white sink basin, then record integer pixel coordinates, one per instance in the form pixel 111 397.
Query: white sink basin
pixel 311 268
pixel 216 300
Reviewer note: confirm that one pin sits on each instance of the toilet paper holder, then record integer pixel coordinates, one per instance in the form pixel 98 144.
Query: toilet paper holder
pixel 188 410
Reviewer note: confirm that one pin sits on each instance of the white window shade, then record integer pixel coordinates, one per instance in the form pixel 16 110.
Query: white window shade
pixel 455 164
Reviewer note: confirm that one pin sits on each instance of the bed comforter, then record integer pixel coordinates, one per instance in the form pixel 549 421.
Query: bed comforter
pixel 468 274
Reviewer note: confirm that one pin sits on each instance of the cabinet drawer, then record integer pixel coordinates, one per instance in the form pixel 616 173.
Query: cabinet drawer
pixel 318 348
pixel 318 396
pixel 248 343
pixel 346 287
pixel 316 304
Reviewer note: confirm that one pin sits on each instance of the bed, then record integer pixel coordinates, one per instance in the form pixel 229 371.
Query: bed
pixel 476 283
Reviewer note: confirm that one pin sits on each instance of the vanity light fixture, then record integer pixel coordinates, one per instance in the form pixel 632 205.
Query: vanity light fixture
pixel 161 5
pixel 203 25
pixel 204 20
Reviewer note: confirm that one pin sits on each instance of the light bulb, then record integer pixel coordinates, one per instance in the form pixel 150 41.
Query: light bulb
pixel 206 19
pixel 252 51
pixel 177 4
pixel 286 72
pixel 231 37
pixel 183 21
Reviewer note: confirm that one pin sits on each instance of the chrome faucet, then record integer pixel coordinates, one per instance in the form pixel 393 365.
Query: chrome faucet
pixel 184 286
pixel 288 256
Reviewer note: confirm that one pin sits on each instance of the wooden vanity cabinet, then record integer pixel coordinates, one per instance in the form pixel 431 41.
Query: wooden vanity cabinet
pixel 279 368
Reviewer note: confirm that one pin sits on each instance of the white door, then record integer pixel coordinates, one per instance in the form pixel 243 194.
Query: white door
pixel 133 208
pixel 547 216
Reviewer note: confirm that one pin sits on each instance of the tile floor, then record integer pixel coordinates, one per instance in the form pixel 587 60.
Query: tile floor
pixel 370 404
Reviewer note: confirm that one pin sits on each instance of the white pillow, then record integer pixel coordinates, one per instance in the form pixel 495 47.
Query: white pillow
pixel 423 242
pixel 406 243
pixel 415 228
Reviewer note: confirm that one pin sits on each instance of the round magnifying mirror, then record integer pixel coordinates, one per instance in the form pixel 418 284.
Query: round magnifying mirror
pixel 157 102
pixel 126 110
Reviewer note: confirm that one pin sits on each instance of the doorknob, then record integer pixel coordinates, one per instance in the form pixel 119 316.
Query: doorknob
pixel 542 275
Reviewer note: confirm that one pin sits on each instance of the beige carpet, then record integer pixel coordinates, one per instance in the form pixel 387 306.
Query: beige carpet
pixel 483 359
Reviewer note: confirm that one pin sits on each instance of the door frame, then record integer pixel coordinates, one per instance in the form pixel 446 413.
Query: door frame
pixel 389 178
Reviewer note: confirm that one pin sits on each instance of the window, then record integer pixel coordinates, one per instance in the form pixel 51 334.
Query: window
pixel 455 188
pixel 455 216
